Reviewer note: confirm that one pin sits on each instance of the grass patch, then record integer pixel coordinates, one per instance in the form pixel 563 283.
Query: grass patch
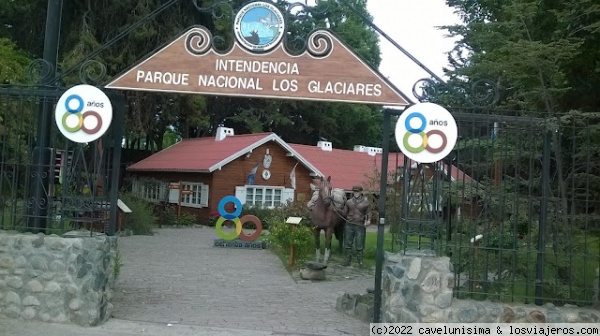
pixel 510 275
pixel 369 254
pixel 118 264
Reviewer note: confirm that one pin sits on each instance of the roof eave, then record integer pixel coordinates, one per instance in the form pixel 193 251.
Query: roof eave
pixel 245 150
pixel 270 137
pixel 157 170
pixel 299 157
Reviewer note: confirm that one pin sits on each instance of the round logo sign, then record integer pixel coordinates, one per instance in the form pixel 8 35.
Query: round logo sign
pixel 83 113
pixel 426 132
pixel 234 217
pixel 259 26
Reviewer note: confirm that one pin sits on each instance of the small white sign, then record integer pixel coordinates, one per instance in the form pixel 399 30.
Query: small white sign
pixel 83 113
pixel 426 132
pixel 294 220
pixel 123 207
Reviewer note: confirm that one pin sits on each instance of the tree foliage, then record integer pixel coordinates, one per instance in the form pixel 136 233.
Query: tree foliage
pixel 13 62
pixel 542 54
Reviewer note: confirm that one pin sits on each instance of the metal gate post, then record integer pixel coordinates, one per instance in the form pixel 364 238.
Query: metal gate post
pixel 42 153
pixel 118 122
pixel 381 223
pixel 541 246
pixel 387 113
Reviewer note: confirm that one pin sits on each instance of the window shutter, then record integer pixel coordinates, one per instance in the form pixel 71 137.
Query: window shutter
pixel 240 194
pixel 173 196
pixel 288 196
pixel 135 188
pixel 164 192
pixel 203 195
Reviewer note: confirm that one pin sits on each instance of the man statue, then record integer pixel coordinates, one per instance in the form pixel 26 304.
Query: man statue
pixel 358 210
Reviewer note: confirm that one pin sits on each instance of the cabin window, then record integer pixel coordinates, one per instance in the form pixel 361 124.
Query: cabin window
pixel 153 191
pixel 159 191
pixel 264 196
pixel 195 195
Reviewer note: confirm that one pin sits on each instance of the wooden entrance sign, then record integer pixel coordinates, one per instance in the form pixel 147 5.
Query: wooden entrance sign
pixel 179 187
pixel 293 221
pixel 327 71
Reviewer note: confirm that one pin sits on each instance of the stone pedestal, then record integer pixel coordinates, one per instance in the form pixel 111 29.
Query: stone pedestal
pixel 313 271
pixel 238 243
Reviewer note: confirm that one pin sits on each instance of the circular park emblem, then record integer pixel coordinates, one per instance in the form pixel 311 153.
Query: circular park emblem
pixel 83 113
pixel 426 132
pixel 259 26
pixel 234 217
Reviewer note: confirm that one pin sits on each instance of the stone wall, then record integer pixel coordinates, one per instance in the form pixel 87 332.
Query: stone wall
pixel 56 279
pixel 359 306
pixel 418 287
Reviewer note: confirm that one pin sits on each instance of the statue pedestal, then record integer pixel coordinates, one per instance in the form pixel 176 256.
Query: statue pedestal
pixel 238 243
pixel 313 271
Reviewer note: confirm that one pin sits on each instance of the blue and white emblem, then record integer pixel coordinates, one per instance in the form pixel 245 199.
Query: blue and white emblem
pixel 259 26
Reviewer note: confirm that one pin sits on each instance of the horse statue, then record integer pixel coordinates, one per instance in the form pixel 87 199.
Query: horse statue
pixel 327 214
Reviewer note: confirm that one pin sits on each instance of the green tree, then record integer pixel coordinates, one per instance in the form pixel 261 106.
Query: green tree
pixel 13 62
pixel 530 50
pixel 538 54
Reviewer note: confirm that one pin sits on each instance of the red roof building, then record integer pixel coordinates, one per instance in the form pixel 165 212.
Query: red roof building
pixel 215 167
pixel 205 155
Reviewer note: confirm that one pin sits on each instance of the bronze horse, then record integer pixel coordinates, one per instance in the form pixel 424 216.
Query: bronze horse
pixel 325 216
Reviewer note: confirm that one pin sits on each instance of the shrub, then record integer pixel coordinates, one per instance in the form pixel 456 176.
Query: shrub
pixel 270 217
pixel 187 219
pixel 168 214
pixel 282 236
pixel 141 220
pixel 262 213
pixel 212 219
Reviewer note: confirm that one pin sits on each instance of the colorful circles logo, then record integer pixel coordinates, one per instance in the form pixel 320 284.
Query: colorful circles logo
pixel 234 217
pixel 83 113
pixel 259 26
pixel 426 132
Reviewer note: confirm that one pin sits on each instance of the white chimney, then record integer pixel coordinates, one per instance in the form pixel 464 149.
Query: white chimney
pixel 374 151
pixel 360 148
pixel 223 132
pixel 325 145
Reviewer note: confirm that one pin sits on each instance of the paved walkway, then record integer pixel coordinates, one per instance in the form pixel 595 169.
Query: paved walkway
pixel 177 277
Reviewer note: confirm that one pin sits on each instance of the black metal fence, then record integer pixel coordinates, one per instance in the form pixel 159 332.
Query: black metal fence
pixel 516 207
pixel 61 187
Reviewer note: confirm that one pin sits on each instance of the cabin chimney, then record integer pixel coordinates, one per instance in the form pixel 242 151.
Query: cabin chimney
pixel 374 150
pixel 223 132
pixel 360 148
pixel 325 146
pixel 369 150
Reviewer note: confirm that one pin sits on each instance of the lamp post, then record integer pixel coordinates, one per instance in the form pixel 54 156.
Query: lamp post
pixel 40 180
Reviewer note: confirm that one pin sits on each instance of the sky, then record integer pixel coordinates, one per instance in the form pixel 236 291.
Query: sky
pixel 411 23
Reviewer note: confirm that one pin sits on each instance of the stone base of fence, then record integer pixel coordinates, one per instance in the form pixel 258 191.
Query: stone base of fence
pixel 57 279
pixel 418 287
pixel 359 306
